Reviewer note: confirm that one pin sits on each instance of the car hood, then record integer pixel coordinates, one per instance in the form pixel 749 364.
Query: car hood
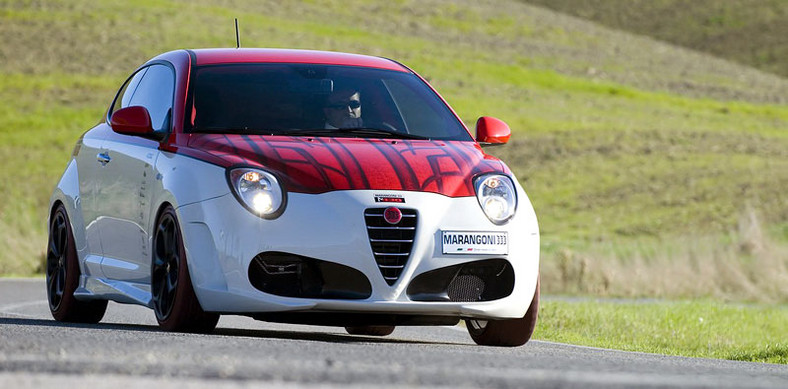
pixel 321 164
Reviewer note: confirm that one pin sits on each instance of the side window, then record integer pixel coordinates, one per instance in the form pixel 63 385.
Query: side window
pixel 124 96
pixel 155 92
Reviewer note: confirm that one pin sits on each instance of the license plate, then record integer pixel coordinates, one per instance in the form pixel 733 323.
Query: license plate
pixel 475 242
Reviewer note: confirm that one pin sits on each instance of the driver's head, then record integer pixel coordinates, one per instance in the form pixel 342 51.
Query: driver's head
pixel 343 108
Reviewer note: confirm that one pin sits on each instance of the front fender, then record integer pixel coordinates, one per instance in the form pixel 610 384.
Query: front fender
pixel 184 180
pixel 184 183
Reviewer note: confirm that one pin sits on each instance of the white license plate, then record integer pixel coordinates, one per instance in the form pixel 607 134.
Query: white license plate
pixel 475 242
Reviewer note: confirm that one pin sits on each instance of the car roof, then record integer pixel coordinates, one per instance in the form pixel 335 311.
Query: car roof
pixel 248 55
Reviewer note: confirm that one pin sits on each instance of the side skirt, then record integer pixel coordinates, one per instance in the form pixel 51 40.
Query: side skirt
pixel 118 291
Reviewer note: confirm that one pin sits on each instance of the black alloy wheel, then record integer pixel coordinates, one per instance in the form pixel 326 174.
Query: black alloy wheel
pixel 166 263
pixel 56 260
pixel 62 275
pixel 174 302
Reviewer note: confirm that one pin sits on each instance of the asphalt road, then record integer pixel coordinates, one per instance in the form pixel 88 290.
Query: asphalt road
pixel 127 350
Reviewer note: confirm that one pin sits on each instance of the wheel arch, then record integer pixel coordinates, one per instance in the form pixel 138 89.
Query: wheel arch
pixel 186 184
pixel 52 208
pixel 192 263
pixel 162 206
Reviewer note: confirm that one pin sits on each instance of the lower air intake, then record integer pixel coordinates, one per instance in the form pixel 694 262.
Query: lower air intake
pixel 484 280
pixel 290 275
pixel 465 288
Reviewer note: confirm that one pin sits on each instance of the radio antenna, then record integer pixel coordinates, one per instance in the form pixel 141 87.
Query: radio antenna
pixel 237 35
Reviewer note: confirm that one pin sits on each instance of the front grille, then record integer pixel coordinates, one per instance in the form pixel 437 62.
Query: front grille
pixel 391 244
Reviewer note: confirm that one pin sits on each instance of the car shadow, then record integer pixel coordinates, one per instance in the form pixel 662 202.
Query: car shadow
pixel 320 337
pixel 230 332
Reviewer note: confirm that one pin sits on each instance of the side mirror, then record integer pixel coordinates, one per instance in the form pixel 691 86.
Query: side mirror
pixel 491 131
pixel 134 120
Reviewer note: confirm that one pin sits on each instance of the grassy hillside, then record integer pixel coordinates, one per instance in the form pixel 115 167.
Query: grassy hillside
pixel 654 170
pixel 752 32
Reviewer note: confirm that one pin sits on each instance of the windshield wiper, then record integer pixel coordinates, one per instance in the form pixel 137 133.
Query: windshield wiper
pixel 235 130
pixel 361 132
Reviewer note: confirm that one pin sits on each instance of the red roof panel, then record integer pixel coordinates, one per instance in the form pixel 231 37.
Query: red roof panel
pixel 243 55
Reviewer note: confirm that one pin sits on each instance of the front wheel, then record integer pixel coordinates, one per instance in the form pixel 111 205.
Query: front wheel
pixel 174 302
pixel 508 332
pixel 62 275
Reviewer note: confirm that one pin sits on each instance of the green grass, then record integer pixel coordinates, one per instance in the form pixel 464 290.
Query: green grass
pixel 704 329
pixel 42 117
pixel 625 145
pixel 748 31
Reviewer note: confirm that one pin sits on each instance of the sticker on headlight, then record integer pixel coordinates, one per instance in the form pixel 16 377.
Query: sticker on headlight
pixel 474 242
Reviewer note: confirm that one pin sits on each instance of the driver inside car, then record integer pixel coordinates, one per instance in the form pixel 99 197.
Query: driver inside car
pixel 343 109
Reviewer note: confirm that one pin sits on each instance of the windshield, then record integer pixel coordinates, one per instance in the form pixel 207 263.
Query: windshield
pixel 318 100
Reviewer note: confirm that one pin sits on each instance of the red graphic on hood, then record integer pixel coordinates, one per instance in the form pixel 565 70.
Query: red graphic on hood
pixel 317 165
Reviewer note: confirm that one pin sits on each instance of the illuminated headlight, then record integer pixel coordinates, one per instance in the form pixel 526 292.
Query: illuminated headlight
pixel 496 196
pixel 259 191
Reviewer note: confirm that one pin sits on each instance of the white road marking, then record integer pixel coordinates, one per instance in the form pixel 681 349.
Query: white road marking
pixel 24 279
pixel 23 316
pixel 11 307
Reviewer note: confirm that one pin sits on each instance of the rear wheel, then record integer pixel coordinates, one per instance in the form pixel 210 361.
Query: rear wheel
pixel 62 275
pixel 174 302
pixel 370 330
pixel 509 332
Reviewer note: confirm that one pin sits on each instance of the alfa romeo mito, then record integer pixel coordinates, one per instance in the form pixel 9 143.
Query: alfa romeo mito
pixel 292 186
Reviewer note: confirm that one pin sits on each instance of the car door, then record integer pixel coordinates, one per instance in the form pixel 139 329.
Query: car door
pixel 128 179
pixel 91 161
pixel 87 153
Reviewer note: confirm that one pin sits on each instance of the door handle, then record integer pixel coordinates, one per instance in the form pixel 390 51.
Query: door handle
pixel 104 158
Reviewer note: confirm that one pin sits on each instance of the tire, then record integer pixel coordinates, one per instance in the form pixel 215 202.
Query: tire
pixel 174 302
pixel 62 275
pixel 509 332
pixel 370 330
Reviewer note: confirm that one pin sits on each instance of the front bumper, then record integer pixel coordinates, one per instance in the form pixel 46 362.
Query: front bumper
pixel 222 238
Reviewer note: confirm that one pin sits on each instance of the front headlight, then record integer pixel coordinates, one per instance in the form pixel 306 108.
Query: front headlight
pixel 496 196
pixel 259 191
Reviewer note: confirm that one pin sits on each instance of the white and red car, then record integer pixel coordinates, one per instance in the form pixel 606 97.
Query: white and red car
pixel 217 184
